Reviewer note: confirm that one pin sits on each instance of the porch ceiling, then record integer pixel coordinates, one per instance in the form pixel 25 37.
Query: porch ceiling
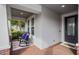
pixel 59 8
pixel 19 13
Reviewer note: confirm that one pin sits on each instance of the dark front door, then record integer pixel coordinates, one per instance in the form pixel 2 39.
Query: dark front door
pixel 71 29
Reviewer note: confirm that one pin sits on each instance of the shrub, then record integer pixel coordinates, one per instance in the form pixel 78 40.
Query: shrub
pixel 16 35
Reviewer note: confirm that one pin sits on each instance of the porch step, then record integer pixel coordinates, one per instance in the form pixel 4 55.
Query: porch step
pixel 69 46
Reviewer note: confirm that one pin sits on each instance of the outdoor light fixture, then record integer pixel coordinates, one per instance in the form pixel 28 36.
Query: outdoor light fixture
pixel 62 6
pixel 21 13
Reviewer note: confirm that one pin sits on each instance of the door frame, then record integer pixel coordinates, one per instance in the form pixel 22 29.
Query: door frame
pixel 63 27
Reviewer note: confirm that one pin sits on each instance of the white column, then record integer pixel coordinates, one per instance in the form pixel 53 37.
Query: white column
pixel 9 18
pixel 4 38
pixel 26 26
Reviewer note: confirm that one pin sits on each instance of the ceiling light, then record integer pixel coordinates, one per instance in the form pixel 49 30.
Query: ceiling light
pixel 63 6
pixel 21 13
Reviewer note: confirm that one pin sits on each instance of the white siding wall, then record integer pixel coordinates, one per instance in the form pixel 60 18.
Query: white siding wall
pixel 37 30
pixel 47 28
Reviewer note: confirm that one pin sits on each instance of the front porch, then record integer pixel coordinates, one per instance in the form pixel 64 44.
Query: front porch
pixel 46 26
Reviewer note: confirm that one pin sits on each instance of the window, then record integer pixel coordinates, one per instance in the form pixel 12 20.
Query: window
pixel 71 26
pixel 32 26
pixel 28 26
